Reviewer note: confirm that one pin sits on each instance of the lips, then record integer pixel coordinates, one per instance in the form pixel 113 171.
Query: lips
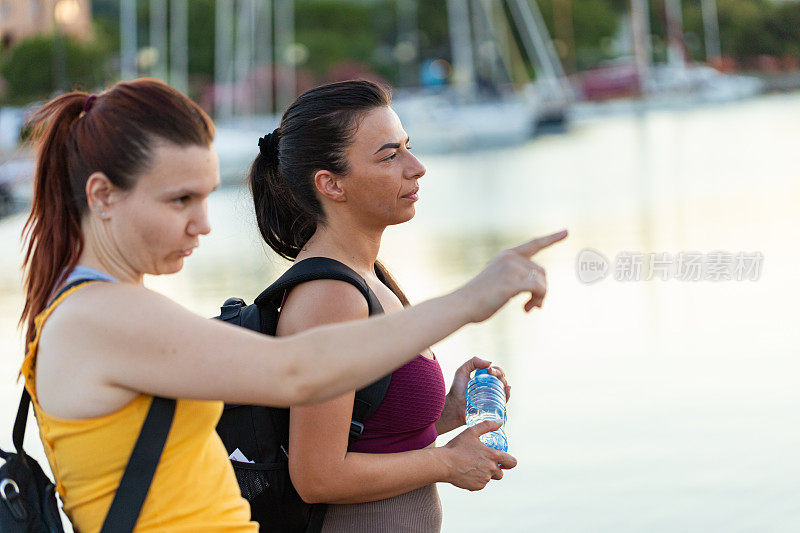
pixel 186 252
pixel 412 195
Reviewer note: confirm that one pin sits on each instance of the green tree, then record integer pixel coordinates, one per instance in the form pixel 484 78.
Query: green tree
pixel 336 31
pixel 783 22
pixel 201 38
pixel 30 73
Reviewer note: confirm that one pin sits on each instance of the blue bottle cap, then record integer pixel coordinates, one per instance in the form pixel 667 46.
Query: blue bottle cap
pixel 481 371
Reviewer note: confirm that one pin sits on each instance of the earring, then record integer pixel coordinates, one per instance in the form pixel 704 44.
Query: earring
pixel 102 214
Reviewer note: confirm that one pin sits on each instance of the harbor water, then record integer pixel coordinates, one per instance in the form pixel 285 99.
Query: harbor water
pixel 656 405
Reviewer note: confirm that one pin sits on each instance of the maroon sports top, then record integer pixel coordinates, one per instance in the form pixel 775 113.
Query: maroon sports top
pixel 406 418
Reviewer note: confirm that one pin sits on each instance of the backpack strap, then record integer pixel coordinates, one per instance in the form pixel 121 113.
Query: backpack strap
pixel 18 434
pixel 135 483
pixel 315 268
pixel 368 399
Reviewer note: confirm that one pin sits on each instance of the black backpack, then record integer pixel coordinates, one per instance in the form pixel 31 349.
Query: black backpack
pixel 28 497
pixel 262 433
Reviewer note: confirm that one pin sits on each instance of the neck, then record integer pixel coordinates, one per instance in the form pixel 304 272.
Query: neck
pixel 101 252
pixel 351 243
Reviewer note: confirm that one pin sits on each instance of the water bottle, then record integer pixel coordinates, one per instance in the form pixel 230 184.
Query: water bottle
pixel 486 400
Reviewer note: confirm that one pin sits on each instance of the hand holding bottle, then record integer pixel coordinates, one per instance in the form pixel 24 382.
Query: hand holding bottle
pixel 455 403
pixel 470 464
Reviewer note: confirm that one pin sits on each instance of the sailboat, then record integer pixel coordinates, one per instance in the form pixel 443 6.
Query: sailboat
pixel 484 105
pixel 676 83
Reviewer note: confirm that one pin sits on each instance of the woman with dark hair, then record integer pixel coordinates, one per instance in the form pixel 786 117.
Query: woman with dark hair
pixel 120 191
pixel 327 183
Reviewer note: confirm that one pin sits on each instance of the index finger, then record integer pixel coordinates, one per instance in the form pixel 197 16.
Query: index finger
pixel 531 247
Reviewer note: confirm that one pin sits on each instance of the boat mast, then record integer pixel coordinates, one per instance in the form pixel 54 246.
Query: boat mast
pixel 461 46
pixel 223 59
pixel 243 57
pixel 675 51
pixel 407 40
pixel 263 56
pixel 539 47
pixel 286 87
pixel 642 52
pixel 158 38
pixel 711 31
pixel 179 45
pixel 127 37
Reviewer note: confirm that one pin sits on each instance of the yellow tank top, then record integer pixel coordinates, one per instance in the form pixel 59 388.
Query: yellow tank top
pixel 194 487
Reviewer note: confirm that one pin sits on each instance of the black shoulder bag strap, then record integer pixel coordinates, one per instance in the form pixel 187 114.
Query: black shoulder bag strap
pixel 135 482
pixel 315 268
pixel 138 475
pixel 369 398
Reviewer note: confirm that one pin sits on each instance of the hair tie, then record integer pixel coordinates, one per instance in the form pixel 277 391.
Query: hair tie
pixel 87 105
pixel 268 144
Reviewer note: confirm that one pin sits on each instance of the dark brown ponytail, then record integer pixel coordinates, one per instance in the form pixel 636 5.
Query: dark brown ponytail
pixel 284 223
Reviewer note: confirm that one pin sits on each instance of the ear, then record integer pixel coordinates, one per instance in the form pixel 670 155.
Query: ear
pixel 101 193
pixel 329 186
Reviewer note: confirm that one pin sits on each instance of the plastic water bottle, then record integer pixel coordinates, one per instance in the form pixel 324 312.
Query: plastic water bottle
pixel 486 400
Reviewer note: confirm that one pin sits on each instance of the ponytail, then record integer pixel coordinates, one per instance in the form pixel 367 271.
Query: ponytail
pixel 283 223
pixel 52 232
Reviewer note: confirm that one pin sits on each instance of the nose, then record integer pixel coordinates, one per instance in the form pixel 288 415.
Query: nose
pixel 199 224
pixel 415 169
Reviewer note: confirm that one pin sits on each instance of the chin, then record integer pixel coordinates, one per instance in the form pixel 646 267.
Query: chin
pixel 408 215
pixel 171 267
pixel 177 266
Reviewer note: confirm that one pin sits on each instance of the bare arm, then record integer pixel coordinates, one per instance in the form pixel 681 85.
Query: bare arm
pixel 144 342
pixel 322 469
pixel 136 339
pixel 329 473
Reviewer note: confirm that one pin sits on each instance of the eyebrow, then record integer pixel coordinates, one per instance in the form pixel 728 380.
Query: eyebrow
pixel 191 192
pixel 391 145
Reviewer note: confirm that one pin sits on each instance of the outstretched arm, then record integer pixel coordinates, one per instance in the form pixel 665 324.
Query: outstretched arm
pixel 142 341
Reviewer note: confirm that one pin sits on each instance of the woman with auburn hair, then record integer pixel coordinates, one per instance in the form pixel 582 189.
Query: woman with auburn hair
pixel 120 191
pixel 327 183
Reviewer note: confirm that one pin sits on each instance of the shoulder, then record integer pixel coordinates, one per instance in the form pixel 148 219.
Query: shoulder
pixel 86 328
pixel 321 301
pixel 104 309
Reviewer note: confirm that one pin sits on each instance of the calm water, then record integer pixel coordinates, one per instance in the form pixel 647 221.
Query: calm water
pixel 655 406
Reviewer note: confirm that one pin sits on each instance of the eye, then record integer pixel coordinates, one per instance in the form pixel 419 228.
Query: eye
pixel 391 157
pixel 181 200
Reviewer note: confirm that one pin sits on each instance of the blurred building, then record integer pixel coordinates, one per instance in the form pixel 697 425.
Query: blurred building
pixel 23 18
